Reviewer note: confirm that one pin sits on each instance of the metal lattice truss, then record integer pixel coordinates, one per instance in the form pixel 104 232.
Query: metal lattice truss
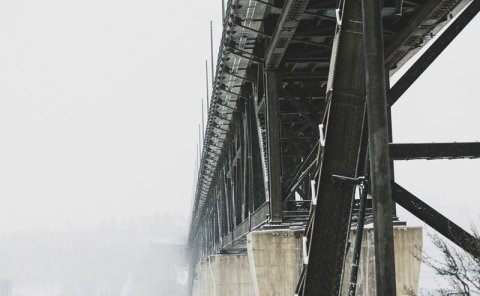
pixel 285 67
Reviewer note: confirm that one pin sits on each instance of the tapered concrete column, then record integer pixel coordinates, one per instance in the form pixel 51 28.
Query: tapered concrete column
pixel 224 275
pixel 204 281
pixel 408 243
pixel 275 261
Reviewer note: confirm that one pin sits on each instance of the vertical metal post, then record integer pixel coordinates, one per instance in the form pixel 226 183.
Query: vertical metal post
pixel 357 248
pixel 203 119
pixel 197 167
pixel 220 214
pixel 273 148
pixel 251 137
pixel 378 147
pixel 211 53
pixel 392 165
pixel 200 144
pixel 206 79
pixel 223 11
pixel 390 140
pixel 245 151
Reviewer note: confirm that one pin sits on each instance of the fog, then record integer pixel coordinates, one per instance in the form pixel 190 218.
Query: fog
pixel 100 102
pixel 141 256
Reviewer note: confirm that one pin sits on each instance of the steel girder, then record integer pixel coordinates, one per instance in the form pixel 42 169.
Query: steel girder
pixel 329 221
pixel 434 151
pixel 415 31
pixel 437 221
pixel 287 24
pixel 433 52
pixel 225 208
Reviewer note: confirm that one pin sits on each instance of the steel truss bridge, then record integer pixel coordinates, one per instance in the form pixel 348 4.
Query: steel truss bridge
pixel 287 125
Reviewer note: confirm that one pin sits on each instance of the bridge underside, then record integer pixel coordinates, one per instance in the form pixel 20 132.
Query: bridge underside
pixel 288 111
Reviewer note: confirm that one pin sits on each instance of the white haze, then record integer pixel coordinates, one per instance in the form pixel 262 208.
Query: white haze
pixel 130 258
pixel 100 102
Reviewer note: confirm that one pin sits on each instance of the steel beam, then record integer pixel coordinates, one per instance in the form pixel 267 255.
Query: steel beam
pixel 378 147
pixel 329 220
pixel 301 171
pixel 273 148
pixel 411 36
pixel 435 151
pixel 433 52
pixel 436 220
pixel 285 29
pixel 357 247
pixel 257 185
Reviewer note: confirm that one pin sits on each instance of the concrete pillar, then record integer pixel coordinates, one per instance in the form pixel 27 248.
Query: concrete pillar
pixel 274 264
pixel 203 282
pixel 224 275
pixel 408 243
pixel 275 261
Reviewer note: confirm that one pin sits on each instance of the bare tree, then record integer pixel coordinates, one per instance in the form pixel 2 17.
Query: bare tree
pixel 458 268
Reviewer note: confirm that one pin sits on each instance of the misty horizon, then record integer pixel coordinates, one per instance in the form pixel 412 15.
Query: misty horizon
pixel 116 258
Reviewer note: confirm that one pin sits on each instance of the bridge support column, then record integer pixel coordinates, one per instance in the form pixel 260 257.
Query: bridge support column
pixel 204 282
pixel 273 149
pixel 275 258
pixel 224 275
pixel 408 245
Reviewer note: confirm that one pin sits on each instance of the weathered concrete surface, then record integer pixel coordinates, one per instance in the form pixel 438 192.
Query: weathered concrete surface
pixel 275 261
pixel 203 284
pixel 204 281
pixel 408 243
pixel 224 275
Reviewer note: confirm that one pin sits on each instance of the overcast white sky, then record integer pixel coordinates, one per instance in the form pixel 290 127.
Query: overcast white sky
pixel 442 106
pixel 100 101
pixel 99 106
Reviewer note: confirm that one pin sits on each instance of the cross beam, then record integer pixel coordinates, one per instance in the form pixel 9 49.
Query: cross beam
pixel 437 47
pixel 434 151
pixel 436 220
pixel 286 27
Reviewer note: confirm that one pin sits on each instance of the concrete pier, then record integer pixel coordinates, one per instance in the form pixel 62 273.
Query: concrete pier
pixel 408 242
pixel 204 280
pixel 223 275
pixel 273 264
pixel 275 261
